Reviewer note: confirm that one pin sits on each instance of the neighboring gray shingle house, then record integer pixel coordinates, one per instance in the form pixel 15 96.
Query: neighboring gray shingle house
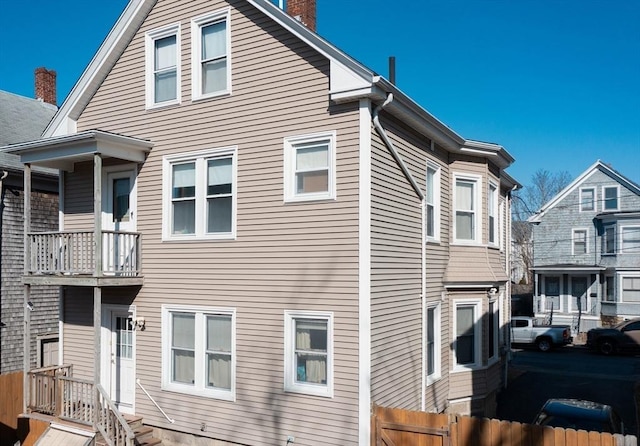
pixel 24 119
pixel 587 251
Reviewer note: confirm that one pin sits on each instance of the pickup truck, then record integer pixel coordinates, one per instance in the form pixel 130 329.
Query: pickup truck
pixel 527 330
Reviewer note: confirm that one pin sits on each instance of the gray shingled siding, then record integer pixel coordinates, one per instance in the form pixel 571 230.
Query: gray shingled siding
pixel 44 318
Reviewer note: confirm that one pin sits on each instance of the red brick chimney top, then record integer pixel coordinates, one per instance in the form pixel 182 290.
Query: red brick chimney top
pixel 304 11
pixel 46 85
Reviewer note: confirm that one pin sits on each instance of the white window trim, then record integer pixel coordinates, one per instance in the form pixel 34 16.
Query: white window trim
pixel 436 201
pixel 593 204
pixel 290 384
pixel 544 294
pixel 496 330
pixel 477 197
pixel 198 389
pixel 573 241
pixel 196 51
pixel 621 278
pixel 200 159
pixel 150 38
pixel 289 143
pixel 501 207
pixel 477 334
pixel 620 241
pixel 604 188
pixel 570 295
pixel 437 353
pixel 496 214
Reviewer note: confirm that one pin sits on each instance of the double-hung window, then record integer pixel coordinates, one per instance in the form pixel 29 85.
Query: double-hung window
pixel 308 344
pixel 162 56
pixel 492 211
pixel 199 195
pixel 610 288
pixel 467 209
pixel 310 165
pixel 630 240
pixel 610 198
pixel 609 240
pixel 467 345
pixel 433 341
pixel 587 199
pixel 199 351
pixel 210 55
pixel 630 289
pixel 432 200
pixel 580 245
pixel 493 329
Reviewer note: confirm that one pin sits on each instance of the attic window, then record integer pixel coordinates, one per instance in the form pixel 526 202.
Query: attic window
pixel 210 55
pixel 610 198
pixel 162 67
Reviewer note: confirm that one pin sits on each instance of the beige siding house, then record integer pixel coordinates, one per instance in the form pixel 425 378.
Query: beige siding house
pixel 262 237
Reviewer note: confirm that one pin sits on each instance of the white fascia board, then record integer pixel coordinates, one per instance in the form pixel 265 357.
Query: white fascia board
pixel 64 121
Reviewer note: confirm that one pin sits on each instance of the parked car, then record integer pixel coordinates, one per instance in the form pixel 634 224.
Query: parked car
pixel 527 330
pixel 624 337
pixel 580 414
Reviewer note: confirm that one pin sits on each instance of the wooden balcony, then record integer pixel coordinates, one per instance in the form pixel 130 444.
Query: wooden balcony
pixel 73 258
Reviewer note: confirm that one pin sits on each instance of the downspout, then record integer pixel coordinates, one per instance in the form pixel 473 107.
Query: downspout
pixel 383 134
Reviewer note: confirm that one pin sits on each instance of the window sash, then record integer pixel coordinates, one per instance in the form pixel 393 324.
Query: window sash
pixel 465 335
pixel 312 168
pixel 609 241
pixel 430 201
pixel 587 199
pixel 579 242
pixel 465 210
pixel 431 341
pixel 491 212
pixel 630 238
pixel 213 56
pixel 610 198
pixel 165 69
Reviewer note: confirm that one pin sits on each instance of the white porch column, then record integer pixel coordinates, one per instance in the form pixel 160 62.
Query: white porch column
pixel 97 212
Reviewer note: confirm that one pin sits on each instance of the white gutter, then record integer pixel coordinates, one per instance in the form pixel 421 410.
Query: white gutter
pixel 420 194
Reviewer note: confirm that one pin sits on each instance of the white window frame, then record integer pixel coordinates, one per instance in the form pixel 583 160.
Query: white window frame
pixel 621 278
pixel 587 292
pixel 493 194
pixel 593 202
pixel 436 201
pixel 477 333
pixel 559 296
pixel 196 52
pixel 200 158
pixel 604 199
pixel 290 384
pixel 625 249
pixel 605 245
pixel 437 342
pixel 198 388
pixel 150 39
pixel 477 211
pixel 495 317
pixel 291 144
pixel 575 231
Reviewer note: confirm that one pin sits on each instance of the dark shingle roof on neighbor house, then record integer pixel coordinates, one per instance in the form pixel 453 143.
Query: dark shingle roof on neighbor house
pixel 22 119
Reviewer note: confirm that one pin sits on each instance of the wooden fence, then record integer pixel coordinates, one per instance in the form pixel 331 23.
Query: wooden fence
pixel 397 427
pixel 11 386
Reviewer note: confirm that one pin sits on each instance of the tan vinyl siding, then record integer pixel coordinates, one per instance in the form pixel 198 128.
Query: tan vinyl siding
pixel 301 256
pixel 78 343
pixel 396 285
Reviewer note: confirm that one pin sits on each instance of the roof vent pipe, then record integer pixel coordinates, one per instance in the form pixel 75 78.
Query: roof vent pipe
pixel 392 69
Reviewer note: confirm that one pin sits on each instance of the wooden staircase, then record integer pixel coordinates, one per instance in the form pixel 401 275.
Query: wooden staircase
pixel 143 434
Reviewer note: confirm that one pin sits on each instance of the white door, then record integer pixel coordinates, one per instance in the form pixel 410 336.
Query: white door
pixel 119 216
pixel 122 373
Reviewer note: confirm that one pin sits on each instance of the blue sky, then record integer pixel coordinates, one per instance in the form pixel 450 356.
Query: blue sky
pixel 556 82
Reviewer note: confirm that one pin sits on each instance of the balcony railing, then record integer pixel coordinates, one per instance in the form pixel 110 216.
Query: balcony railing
pixel 74 253
pixel 54 391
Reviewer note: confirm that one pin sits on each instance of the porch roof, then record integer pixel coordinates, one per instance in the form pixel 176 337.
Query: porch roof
pixel 568 268
pixel 62 152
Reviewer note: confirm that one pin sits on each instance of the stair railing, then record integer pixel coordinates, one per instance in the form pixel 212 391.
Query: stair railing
pixel 170 420
pixel 110 423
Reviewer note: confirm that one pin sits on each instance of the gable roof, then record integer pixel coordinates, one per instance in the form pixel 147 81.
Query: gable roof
pixel 349 80
pixel 22 119
pixel 597 166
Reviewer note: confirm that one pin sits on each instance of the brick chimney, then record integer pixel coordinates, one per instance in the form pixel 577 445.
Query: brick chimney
pixel 46 85
pixel 304 11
